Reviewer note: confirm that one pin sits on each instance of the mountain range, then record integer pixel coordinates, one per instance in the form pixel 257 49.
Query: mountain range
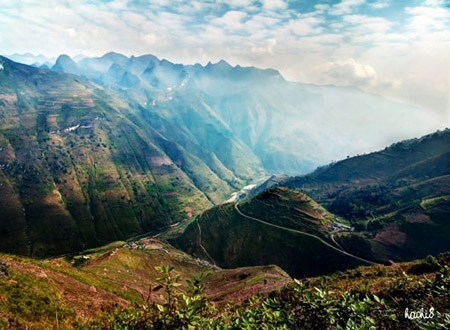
pixel 80 166
pixel 287 126
pixel 107 148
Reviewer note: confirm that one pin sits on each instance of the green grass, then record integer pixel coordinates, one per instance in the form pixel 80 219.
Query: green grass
pixel 430 203
pixel 235 241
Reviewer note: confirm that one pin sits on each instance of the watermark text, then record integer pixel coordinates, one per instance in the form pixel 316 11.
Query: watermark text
pixel 424 314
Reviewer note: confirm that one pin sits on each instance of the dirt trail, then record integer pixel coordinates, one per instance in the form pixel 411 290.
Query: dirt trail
pixel 200 243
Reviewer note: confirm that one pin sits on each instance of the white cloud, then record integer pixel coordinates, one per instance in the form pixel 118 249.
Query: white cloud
pixel 308 25
pixel 434 3
pixel 364 24
pixel 231 21
pixel 320 9
pixel 346 7
pixel 380 4
pixel 267 49
pixel 346 72
pixel 119 4
pixel 274 4
pixel 424 19
pixel 434 12
pixel 236 3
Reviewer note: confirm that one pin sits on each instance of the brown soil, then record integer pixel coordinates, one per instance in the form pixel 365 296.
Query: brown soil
pixel 236 285
pixel 391 236
pixel 418 217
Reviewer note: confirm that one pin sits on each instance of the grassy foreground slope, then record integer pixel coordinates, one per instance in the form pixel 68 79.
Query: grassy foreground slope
pixel 111 291
pixel 74 290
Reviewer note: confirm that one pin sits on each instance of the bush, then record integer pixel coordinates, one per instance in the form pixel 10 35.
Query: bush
pixel 297 306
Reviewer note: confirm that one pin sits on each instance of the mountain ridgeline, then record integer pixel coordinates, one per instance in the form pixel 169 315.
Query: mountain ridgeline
pixel 281 126
pixel 398 198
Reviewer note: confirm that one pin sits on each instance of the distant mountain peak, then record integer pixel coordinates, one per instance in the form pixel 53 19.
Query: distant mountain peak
pixel 114 56
pixel 63 57
pixel 146 56
pixel 223 64
pixel 64 63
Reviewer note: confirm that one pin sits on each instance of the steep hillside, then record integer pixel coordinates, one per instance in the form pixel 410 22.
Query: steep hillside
pixel 80 166
pixel 68 292
pixel 398 198
pixel 393 205
pixel 280 226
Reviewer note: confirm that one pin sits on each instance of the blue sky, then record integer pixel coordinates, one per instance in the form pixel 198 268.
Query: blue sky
pixel 397 48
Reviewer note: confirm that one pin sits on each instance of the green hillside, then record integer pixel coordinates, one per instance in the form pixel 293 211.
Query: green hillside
pixel 397 199
pixel 280 226
pixel 81 166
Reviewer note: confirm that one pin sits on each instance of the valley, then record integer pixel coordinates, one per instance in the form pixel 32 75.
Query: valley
pixel 79 168
pixel 111 147
pixel 383 211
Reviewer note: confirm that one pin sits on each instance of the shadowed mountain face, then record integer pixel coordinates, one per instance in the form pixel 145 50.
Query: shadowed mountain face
pixel 280 226
pixel 80 165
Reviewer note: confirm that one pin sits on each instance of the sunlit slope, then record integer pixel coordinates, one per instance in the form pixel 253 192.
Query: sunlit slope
pixel 80 167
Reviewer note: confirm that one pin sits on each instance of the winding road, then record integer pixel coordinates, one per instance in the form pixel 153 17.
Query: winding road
pixel 340 250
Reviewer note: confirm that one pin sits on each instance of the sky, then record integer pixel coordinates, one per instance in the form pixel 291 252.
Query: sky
pixel 396 48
